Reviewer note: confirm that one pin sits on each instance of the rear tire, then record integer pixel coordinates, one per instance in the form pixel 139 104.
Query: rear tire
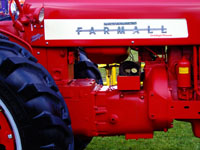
pixel 85 68
pixel 32 98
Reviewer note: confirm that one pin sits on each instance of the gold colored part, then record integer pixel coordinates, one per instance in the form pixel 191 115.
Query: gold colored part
pixel 183 70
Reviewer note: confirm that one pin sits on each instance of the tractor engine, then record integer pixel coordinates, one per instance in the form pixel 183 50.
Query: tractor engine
pixel 145 99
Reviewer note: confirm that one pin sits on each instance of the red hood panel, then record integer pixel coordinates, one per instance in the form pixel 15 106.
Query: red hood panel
pixel 127 9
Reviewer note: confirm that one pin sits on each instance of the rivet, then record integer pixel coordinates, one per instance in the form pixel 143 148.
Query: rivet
pixel 47 43
pixel 34 26
pixel 121 95
pixel 132 42
pixel 10 136
pixel 41 26
pixel 38 53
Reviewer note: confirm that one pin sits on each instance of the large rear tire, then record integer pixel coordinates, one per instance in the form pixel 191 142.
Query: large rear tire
pixel 30 97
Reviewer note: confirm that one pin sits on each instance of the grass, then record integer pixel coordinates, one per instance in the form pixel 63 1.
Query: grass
pixel 178 138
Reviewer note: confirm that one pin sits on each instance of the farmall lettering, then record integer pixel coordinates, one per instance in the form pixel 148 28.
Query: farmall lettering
pixel 122 28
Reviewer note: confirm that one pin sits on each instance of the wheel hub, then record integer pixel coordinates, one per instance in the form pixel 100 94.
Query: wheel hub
pixel 9 134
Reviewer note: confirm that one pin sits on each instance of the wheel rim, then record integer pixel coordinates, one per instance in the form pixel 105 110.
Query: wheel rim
pixel 10 137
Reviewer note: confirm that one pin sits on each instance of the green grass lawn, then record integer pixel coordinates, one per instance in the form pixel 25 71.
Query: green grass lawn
pixel 178 138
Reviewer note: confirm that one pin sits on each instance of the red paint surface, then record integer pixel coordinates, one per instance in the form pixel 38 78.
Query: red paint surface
pixel 130 110
pixel 128 83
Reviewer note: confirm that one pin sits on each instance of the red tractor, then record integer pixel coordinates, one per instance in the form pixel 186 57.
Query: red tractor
pixel 66 109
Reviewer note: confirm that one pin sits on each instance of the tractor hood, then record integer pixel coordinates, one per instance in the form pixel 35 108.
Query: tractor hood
pixel 121 9
pixel 121 22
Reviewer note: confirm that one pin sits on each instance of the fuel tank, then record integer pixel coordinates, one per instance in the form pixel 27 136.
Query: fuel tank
pixel 120 23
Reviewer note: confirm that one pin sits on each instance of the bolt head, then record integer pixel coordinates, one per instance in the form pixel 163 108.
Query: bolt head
pixel 132 42
pixel 114 119
pixel 10 136
pixel 38 53
pixel 121 95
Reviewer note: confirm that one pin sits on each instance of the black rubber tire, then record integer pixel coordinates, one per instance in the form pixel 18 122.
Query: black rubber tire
pixel 85 68
pixel 81 142
pixel 32 97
